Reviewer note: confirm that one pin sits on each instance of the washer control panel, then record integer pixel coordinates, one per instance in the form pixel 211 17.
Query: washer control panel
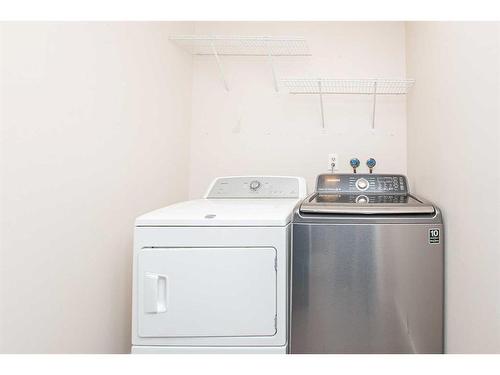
pixel 362 183
pixel 256 187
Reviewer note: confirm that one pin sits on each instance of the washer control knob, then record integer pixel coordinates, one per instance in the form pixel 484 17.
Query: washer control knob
pixel 254 185
pixel 362 199
pixel 362 184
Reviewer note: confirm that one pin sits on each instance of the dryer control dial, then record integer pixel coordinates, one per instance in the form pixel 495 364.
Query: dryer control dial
pixel 254 185
pixel 362 184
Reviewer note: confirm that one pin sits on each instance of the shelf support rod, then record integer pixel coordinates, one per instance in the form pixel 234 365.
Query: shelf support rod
pixel 374 103
pixel 321 104
pixel 271 61
pixel 221 71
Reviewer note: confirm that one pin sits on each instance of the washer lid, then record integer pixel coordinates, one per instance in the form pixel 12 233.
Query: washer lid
pixel 365 204
pixel 222 212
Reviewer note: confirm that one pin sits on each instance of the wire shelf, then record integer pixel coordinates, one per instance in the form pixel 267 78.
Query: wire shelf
pixel 242 45
pixel 373 87
pixel 348 86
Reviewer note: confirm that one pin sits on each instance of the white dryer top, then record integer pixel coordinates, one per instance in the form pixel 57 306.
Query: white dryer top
pixel 235 201
pixel 222 212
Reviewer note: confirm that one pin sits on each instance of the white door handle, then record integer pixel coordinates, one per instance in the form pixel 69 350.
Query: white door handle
pixel 155 293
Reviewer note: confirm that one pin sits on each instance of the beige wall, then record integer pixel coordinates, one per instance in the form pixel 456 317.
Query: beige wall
pixel 253 130
pixel 453 151
pixel 94 130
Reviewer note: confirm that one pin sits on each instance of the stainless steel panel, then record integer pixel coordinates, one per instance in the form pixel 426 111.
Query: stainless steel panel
pixel 365 288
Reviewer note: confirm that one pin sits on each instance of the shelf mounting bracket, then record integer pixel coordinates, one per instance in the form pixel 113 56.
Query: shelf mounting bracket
pixel 374 103
pixel 321 104
pixel 219 65
pixel 271 61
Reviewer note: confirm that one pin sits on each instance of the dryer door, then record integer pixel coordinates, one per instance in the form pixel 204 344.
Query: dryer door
pixel 200 292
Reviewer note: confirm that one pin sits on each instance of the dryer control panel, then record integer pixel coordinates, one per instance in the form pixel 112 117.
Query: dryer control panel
pixel 257 187
pixel 393 184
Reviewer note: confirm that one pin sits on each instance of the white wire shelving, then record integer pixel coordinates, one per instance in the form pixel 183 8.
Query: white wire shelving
pixel 268 46
pixel 373 87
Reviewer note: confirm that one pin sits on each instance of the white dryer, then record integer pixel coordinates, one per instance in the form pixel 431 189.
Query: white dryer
pixel 211 275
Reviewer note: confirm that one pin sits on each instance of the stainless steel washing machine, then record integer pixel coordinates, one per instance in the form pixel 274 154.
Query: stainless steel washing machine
pixel 367 268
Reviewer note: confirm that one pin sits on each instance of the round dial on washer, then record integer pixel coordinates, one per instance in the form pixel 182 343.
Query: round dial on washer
pixel 362 184
pixel 362 199
pixel 254 185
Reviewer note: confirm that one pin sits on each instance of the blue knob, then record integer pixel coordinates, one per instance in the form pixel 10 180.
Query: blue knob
pixel 354 163
pixel 370 163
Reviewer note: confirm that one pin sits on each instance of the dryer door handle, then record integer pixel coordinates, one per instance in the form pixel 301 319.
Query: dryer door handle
pixel 155 293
